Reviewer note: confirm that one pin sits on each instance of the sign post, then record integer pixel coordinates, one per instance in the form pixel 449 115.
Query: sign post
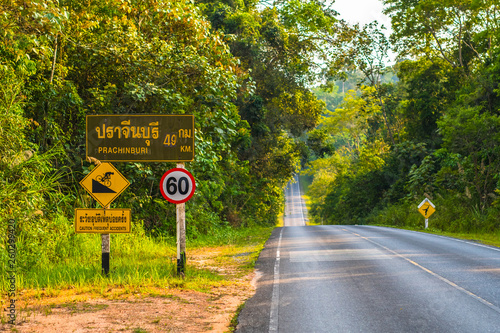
pixel 139 138
pixel 106 249
pixel 180 210
pixel 105 183
pixel 178 186
pixel 426 208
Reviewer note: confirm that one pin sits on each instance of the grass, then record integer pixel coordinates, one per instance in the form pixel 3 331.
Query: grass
pixel 234 320
pixel 140 267
pixel 483 238
pixel 305 181
pixel 139 262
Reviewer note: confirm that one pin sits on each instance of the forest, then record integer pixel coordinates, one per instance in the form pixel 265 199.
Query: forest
pixel 275 87
pixel 426 126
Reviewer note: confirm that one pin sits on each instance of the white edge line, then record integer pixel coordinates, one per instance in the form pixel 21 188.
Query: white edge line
pixel 273 314
pixel 445 280
pixel 491 247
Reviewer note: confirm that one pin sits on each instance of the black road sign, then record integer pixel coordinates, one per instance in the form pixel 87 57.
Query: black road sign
pixel 140 138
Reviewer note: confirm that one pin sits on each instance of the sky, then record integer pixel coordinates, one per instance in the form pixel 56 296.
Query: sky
pixel 361 11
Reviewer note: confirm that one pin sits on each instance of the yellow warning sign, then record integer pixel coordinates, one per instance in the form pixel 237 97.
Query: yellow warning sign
pixel 105 183
pixel 426 208
pixel 104 221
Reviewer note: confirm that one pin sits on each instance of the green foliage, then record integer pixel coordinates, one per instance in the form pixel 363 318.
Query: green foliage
pixel 30 191
pixel 427 86
pixel 243 70
pixel 400 215
pixel 453 214
pixel 475 135
pixel 319 142
pixel 278 46
pixel 455 31
pixel 433 133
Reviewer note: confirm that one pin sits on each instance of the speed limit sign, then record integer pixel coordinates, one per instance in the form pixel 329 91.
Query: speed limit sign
pixel 177 185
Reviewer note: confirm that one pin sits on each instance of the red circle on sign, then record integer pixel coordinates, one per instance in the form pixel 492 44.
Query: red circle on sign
pixel 171 185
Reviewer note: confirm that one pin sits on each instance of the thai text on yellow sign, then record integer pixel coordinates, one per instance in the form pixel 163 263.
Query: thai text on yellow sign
pixel 103 221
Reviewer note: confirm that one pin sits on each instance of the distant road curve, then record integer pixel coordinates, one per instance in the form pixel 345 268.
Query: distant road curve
pixel 295 212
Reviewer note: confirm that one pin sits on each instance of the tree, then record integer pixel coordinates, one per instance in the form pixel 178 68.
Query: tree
pixel 367 52
pixel 277 45
pixel 458 31
pixel 429 89
pixel 128 57
pixel 474 135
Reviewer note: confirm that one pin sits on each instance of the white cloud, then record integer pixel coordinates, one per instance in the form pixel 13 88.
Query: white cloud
pixel 362 11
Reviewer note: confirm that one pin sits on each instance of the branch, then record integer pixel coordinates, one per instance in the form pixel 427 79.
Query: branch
pixel 431 29
pixel 53 63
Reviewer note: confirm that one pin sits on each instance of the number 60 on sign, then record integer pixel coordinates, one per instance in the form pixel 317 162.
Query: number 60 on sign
pixel 177 185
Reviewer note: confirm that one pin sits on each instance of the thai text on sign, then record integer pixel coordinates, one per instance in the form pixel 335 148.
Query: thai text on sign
pixel 88 220
pixel 134 138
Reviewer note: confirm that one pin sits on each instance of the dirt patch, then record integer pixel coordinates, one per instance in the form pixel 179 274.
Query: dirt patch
pixel 153 310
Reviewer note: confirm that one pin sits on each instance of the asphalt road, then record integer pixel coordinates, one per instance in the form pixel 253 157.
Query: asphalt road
pixel 295 208
pixel 372 279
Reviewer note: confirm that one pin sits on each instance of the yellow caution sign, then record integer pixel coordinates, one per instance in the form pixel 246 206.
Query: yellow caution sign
pixel 105 183
pixel 426 208
pixel 103 221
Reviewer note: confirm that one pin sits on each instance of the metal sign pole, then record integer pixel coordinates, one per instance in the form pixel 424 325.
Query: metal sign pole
pixel 426 223
pixel 105 245
pixel 181 234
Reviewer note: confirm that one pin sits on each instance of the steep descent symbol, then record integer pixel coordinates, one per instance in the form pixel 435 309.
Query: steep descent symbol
pixel 105 178
pixel 102 183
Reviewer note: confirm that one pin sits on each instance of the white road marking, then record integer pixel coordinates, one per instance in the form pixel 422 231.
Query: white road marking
pixel 290 208
pixel 445 280
pixel 294 212
pixel 275 299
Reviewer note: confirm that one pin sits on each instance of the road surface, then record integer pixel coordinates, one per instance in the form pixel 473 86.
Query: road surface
pixel 295 211
pixel 371 279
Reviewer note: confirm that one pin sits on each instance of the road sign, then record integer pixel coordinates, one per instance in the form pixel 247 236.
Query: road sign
pixel 136 138
pixel 426 208
pixel 103 221
pixel 105 183
pixel 177 185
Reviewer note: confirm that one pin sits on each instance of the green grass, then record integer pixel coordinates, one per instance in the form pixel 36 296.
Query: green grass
pixel 138 261
pixel 452 218
pixel 305 181
pixel 234 320
pixel 484 238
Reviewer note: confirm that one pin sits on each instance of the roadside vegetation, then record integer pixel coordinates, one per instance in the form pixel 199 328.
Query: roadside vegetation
pixel 374 139
pixel 241 69
pixel 425 126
